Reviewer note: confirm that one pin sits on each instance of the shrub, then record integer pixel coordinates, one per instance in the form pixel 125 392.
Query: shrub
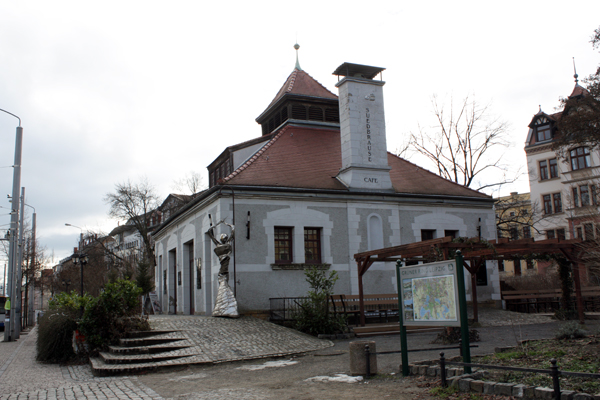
pixel 55 335
pixel 110 316
pixel 71 303
pixel 570 330
pixel 313 316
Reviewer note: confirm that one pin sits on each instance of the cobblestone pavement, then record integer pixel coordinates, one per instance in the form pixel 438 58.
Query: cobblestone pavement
pixel 213 340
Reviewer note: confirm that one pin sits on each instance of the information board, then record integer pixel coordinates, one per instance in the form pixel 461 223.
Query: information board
pixel 430 294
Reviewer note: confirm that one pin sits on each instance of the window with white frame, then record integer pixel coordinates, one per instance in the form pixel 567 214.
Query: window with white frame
pixel 552 203
pixel 580 158
pixel 584 195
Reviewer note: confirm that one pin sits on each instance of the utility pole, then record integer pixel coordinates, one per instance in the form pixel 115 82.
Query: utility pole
pixel 32 266
pixel 18 300
pixel 14 222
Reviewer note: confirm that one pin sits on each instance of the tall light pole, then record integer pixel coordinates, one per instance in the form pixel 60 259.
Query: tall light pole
pixel 30 291
pixel 79 257
pixel 14 222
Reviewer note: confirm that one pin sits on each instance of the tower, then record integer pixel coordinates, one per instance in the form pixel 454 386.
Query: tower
pixel 362 128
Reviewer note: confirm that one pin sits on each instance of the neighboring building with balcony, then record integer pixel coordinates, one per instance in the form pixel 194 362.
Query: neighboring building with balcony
pixel 563 183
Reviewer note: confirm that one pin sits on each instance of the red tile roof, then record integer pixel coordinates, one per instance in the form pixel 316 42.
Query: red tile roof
pixel 302 84
pixel 310 158
pixel 579 91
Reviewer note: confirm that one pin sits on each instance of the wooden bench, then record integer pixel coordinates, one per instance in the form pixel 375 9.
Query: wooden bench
pixel 547 300
pixel 381 306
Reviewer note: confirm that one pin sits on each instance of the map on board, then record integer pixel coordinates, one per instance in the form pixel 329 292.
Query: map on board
pixel 430 299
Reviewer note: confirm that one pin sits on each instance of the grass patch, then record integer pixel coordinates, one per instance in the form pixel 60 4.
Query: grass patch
pixel 574 355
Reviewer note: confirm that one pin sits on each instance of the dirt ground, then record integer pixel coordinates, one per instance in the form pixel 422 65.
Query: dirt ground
pixel 230 381
pixel 235 381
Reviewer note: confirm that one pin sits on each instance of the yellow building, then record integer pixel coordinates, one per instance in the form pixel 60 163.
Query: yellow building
pixel 514 220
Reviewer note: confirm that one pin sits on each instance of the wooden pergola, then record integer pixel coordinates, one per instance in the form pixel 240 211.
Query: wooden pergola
pixel 475 253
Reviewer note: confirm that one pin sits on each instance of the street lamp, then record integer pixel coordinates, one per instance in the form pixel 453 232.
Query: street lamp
pixel 9 327
pixel 80 257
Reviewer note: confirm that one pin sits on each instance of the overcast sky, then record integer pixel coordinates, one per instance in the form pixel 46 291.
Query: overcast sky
pixel 115 90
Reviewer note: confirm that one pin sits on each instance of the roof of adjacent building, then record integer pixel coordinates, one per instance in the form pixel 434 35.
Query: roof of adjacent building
pixel 310 158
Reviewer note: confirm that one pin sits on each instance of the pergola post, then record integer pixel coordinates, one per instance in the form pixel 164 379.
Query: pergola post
pixel 578 296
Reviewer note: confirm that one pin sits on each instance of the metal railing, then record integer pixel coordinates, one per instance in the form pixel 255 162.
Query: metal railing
pixel 283 309
pixel 554 372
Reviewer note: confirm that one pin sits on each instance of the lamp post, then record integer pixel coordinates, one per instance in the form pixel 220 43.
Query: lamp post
pixel 9 326
pixel 79 257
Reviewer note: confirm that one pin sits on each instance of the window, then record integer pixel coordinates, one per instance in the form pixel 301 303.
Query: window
pixel 526 232
pixel 312 245
pixel 513 232
pixel 543 170
pixel 553 168
pixel 427 234
pixel 551 234
pixel 580 158
pixel 500 265
pixel 547 202
pixel 588 229
pixel 584 193
pixel 579 231
pixel 452 233
pixel 560 233
pixel 283 245
pixel 524 211
pixel 512 213
pixel 529 264
pixel 543 133
pixel 557 202
pixel 575 197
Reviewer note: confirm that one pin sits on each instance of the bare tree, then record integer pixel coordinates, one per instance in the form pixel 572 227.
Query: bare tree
pixel 465 142
pixel 191 183
pixel 135 203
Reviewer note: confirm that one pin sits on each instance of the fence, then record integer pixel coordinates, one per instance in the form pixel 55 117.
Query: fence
pixel 283 309
pixel 554 372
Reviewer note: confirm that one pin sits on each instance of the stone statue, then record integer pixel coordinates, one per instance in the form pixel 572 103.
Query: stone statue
pixel 226 304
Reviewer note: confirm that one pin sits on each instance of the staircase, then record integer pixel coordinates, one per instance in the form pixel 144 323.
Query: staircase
pixel 144 351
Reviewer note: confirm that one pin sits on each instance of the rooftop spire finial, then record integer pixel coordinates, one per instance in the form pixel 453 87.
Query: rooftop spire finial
pixel 575 70
pixel 297 46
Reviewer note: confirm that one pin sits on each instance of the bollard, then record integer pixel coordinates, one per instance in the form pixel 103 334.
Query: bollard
pixel 368 360
pixel 443 370
pixel 358 358
pixel 555 382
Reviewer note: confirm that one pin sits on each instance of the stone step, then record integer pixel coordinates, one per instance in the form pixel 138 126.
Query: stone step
pixel 149 341
pixel 158 348
pixel 116 358
pixel 142 334
pixel 100 368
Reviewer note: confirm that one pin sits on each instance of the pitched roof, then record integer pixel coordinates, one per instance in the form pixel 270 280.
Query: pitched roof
pixel 579 91
pixel 302 157
pixel 301 84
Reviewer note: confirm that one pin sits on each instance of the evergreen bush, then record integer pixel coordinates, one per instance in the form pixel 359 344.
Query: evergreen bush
pixel 55 337
pixel 313 316
pixel 110 316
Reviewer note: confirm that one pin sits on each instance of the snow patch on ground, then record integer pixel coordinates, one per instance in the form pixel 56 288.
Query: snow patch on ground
pixel 268 364
pixel 185 377
pixel 337 378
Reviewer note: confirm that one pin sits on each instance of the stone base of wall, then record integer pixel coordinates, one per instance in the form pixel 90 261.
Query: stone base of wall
pixel 473 383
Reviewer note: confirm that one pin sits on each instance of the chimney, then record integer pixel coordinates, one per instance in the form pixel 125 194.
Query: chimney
pixel 362 128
